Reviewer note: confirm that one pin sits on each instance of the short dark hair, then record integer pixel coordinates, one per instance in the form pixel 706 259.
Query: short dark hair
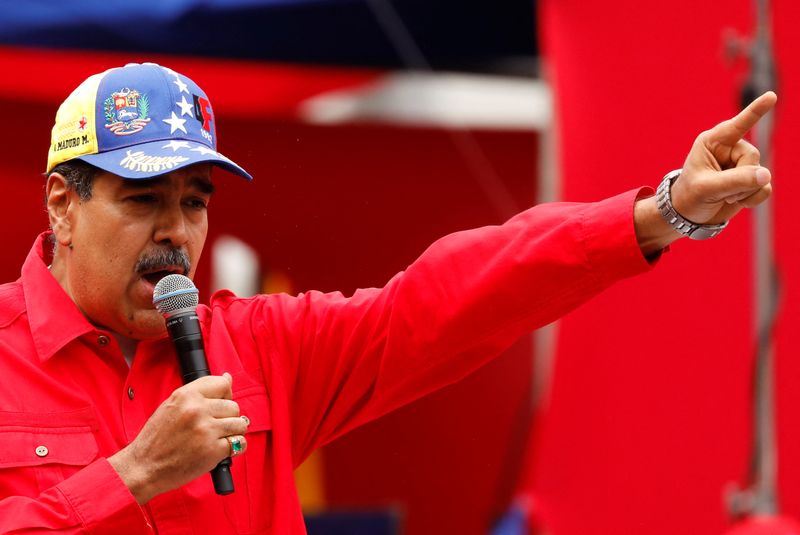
pixel 79 177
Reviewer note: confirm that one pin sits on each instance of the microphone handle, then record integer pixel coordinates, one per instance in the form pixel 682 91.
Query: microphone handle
pixel 184 329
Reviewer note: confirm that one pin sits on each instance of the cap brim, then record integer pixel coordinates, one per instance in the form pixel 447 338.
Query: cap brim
pixel 155 158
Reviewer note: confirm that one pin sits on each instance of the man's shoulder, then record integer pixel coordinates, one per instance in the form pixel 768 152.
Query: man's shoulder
pixel 12 302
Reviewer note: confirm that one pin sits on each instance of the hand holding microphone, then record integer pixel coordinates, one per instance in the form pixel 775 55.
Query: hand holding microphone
pixel 198 428
pixel 176 298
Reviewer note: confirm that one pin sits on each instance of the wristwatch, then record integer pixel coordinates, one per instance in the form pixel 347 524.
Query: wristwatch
pixel 695 231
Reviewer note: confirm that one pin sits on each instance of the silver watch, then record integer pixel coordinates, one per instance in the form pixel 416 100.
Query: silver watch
pixel 695 231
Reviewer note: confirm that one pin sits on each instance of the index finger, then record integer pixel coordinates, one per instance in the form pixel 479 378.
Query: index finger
pixel 734 129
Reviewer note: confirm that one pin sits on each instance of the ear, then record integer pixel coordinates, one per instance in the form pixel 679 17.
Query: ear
pixel 60 200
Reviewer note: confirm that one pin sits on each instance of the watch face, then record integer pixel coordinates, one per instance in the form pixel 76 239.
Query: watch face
pixel 704 232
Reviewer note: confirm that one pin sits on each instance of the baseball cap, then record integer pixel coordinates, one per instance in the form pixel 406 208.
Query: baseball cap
pixel 137 121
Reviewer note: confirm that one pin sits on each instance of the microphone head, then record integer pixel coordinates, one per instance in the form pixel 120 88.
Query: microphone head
pixel 175 292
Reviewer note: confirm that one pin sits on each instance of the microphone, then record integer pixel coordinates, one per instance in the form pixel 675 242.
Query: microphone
pixel 176 298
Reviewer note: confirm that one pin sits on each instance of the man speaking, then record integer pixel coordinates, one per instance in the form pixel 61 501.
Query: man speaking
pixel 99 432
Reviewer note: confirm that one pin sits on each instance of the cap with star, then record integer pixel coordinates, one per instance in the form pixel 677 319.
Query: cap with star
pixel 137 121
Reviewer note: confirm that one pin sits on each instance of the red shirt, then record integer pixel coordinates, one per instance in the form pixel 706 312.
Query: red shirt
pixel 306 369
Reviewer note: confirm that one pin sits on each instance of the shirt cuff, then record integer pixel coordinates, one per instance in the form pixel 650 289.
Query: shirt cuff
pixel 610 237
pixel 102 501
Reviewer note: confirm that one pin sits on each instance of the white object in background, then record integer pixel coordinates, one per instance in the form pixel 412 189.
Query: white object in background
pixel 235 267
pixel 443 100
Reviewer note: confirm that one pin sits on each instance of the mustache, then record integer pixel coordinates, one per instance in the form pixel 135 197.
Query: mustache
pixel 161 258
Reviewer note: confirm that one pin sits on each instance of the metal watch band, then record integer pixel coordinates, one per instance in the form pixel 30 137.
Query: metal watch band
pixel 695 231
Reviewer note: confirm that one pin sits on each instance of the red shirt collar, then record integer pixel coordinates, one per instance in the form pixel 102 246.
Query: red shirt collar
pixel 54 318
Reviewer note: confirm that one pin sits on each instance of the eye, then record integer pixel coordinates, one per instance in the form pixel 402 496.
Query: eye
pixel 198 203
pixel 143 198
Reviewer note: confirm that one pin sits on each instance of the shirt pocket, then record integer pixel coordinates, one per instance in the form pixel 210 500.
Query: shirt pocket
pixel 38 450
pixel 250 506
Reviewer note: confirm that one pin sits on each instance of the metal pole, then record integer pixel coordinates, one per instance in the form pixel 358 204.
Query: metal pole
pixel 761 498
pixel 765 462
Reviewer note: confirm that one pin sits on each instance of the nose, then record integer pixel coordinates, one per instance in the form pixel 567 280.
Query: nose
pixel 171 227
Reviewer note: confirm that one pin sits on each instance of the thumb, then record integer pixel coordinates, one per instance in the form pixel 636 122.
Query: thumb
pixel 739 181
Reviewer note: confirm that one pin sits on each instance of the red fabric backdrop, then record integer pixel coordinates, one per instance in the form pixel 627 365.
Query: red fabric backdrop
pixel 649 419
pixel 787 229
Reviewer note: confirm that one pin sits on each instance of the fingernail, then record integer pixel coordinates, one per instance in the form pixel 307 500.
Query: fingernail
pixel 762 176
pixel 226 374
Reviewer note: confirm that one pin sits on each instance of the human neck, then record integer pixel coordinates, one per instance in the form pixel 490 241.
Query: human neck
pixel 128 347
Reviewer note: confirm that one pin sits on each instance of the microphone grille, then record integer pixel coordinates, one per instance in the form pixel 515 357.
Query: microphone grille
pixel 175 292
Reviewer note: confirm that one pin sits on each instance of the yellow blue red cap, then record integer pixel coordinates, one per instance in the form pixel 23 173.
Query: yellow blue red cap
pixel 137 121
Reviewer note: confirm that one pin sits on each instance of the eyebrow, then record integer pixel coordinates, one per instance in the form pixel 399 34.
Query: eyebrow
pixel 201 183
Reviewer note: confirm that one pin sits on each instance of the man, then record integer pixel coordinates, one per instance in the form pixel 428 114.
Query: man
pixel 101 436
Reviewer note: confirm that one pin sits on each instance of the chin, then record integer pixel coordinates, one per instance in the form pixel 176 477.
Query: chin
pixel 145 325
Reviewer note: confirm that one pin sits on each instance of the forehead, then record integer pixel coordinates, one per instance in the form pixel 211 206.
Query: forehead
pixel 196 176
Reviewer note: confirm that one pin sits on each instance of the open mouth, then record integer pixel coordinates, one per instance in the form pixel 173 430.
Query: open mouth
pixel 153 277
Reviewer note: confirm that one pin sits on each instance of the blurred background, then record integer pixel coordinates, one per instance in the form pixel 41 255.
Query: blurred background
pixel 373 127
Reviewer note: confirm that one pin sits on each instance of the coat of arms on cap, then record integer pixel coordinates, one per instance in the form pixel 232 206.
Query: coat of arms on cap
pixel 126 111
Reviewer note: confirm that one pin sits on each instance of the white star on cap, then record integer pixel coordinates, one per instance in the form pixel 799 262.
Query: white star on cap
pixel 186 108
pixel 175 123
pixel 175 145
pixel 183 87
pixel 205 151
